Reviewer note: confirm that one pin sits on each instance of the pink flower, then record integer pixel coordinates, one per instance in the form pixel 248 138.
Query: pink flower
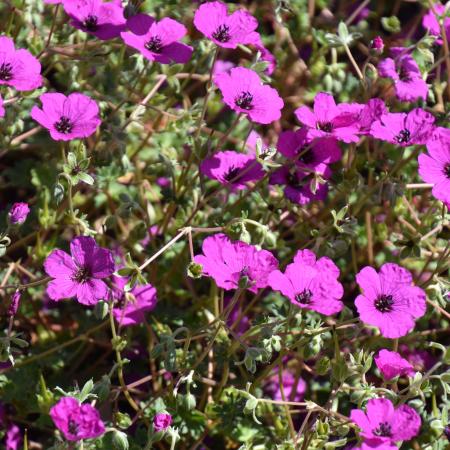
pixel 266 55
pixel 18 68
pixel 79 275
pixel 391 365
pixel 232 169
pixel 310 283
pixel 243 92
pixel 404 129
pixel 297 184
pixel 328 120
pixel 13 438
pixel 157 41
pixel 76 421
pixel 421 360
pixel 104 20
pixel 2 109
pixel 130 307
pixel 431 24
pixel 161 422
pixel 230 262
pixel 377 44
pixel 389 300
pixel 404 71
pixel 382 423
pixel 222 66
pixel 365 114
pixel 316 155
pixel 225 30
pixel 434 167
pixel 18 213
pixel 294 390
pixel 67 118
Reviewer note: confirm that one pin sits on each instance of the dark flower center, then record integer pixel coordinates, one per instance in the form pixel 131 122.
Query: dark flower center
pixel 384 303
pixel 231 174
pixel 154 44
pixel 82 275
pixel 73 427
pixel 447 170
pixel 6 72
pixel 403 137
pixel 64 125
pixel 305 297
pixel 326 126
pixel 307 157
pixel 384 429
pixel 91 23
pixel 222 34
pixel 292 179
pixel 244 100
pixel 403 74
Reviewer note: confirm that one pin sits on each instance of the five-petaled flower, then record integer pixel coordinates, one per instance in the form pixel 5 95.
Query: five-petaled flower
pixel 157 41
pixel 234 264
pixel 389 301
pixel 104 20
pixel 76 421
pixel 225 30
pixel 81 274
pixel 382 423
pixel 244 93
pixel 232 169
pixel 18 68
pixel 67 118
pixel 311 283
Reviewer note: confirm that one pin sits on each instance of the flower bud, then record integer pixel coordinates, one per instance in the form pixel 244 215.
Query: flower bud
pixel 14 305
pixel 377 45
pixel 162 421
pixel 18 213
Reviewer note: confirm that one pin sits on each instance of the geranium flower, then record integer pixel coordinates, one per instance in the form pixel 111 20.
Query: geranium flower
pixel 67 118
pixel 221 66
pixel 130 307
pixel 404 129
pixel 13 438
pixel 161 422
pixel 2 109
pixel 389 300
pixel 81 274
pixel 225 30
pixel 431 24
pixel 320 153
pixel 232 168
pixel 391 365
pixel 104 20
pixel 18 213
pixel 310 283
pixel 229 262
pixel 297 184
pixel 243 92
pixel 18 68
pixel 76 421
pixel 421 360
pixel 365 114
pixel 157 41
pixel 404 71
pixel 382 423
pixel 328 120
pixel 434 167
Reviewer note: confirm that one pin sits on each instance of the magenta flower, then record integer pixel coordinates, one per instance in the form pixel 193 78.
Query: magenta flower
pixel 130 307
pixel 382 423
pixel 431 24
pixel 104 20
pixel 232 169
pixel 18 213
pixel 391 365
pixel 297 184
pixel 67 118
pixel 2 109
pixel 76 421
pixel 434 167
pixel 18 68
pixel 421 360
pixel 14 305
pixel 404 71
pixel 266 55
pixel 158 41
pixel 13 438
pixel 230 262
pixel 328 120
pixel 243 92
pixel 81 274
pixel 294 390
pixel 365 114
pixel 315 155
pixel 377 44
pixel 404 129
pixel 221 66
pixel 161 422
pixel 370 445
pixel 225 30
pixel 310 283
pixel 389 300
